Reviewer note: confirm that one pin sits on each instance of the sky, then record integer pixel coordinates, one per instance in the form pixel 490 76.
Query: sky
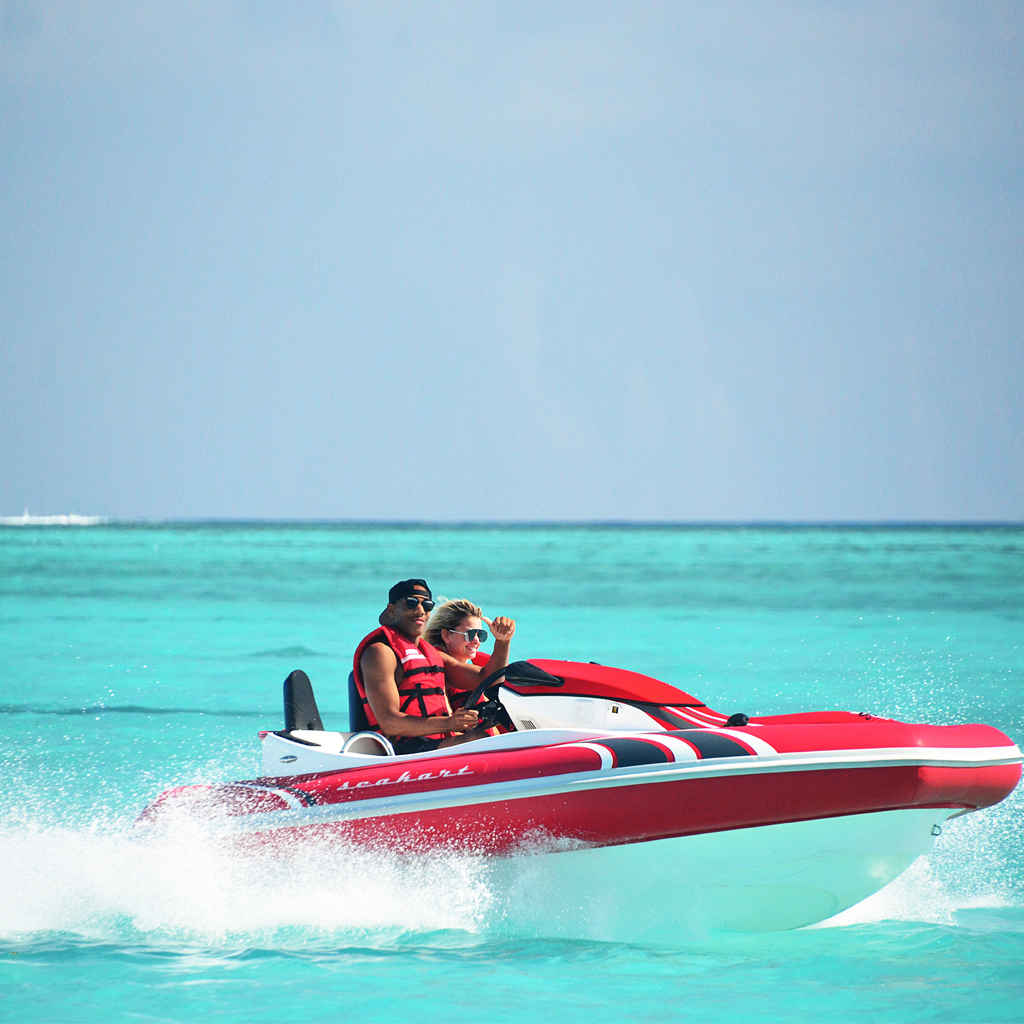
pixel 512 261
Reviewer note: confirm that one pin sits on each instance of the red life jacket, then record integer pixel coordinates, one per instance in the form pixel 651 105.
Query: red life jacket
pixel 421 690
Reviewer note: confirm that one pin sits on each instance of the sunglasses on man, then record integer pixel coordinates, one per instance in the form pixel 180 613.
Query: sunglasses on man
pixel 412 602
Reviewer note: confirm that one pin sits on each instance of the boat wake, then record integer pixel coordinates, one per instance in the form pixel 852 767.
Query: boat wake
pixel 111 886
pixel 105 884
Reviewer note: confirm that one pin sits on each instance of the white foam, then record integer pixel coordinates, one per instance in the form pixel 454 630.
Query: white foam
pixel 106 886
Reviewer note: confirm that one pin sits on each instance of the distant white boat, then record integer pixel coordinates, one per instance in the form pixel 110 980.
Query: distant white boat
pixel 67 519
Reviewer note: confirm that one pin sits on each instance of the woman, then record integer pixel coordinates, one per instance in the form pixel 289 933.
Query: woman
pixel 456 629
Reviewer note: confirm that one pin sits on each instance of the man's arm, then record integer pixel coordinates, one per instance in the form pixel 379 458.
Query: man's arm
pixel 377 666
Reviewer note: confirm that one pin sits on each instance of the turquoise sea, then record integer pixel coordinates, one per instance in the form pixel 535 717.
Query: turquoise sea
pixel 140 656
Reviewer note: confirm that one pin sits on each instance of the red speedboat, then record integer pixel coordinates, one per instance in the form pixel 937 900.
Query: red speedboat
pixel 778 821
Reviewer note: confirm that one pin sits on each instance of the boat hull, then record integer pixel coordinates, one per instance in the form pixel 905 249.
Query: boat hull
pixel 755 879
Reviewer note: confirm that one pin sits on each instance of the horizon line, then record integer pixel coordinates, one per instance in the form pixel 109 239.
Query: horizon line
pixel 77 519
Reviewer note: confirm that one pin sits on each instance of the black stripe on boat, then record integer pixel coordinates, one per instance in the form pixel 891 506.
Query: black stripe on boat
pixel 630 752
pixel 711 744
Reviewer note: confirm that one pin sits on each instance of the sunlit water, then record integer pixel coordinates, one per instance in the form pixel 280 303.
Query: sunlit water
pixel 143 657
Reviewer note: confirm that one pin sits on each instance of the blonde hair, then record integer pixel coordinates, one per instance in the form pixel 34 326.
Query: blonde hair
pixel 448 616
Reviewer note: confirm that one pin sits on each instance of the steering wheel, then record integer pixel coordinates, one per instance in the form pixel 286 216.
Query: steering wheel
pixel 490 682
pixel 490 708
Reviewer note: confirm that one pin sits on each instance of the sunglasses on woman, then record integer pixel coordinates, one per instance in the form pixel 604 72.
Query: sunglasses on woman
pixel 412 602
pixel 471 634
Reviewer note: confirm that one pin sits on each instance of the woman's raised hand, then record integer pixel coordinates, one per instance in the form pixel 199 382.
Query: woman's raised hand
pixel 502 627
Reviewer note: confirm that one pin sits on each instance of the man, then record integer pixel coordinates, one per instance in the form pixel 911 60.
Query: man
pixel 402 679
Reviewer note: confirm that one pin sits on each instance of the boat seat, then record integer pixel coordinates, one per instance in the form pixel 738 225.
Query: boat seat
pixel 357 720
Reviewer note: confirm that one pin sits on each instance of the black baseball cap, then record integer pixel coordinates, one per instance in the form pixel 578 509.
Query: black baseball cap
pixel 406 588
